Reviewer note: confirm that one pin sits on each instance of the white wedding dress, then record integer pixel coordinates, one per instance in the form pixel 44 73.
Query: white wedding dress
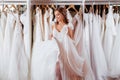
pixel 2 32
pixel 70 20
pixel 115 55
pixel 110 34
pixel 99 64
pixel 1 44
pixel 23 19
pixel 7 44
pixel 61 48
pixel 18 67
pixel 38 32
pixel 46 25
pixel 86 34
pixel 51 19
pixel 80 38
pixel 3 22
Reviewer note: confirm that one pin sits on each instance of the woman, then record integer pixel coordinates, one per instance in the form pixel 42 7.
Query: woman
pixel 58 58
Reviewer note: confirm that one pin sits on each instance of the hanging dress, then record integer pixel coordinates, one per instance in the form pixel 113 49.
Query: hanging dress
pixel 18 67
pixel 99 64
pixel 109 35
pixel 3 22
pixel 1 45
pixel 10 24
pixel 23 19
pixel 70 20
pixel 46 25
pixel 51 19
pixel 80 43
pixel 38 32
pixel 115 54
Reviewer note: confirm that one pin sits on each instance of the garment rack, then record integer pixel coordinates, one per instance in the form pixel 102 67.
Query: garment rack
pixel 75 2
pixel 13 2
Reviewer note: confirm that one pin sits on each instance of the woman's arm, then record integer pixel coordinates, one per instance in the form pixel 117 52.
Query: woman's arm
pixel 71 33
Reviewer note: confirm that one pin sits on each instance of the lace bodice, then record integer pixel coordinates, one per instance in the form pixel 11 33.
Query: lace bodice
pixel 60 35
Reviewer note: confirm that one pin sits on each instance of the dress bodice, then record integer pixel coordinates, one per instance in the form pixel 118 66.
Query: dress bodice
pixel 60 35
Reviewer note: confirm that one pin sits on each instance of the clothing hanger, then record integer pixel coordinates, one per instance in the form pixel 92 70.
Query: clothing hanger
pixel 53 6
pixel 47 6
pixel 6 8
pixel 14 8
pixel 73 7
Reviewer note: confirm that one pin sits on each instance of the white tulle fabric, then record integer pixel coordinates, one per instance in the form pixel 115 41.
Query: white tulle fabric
pixel 7 44
pixel 23 20
pixel 51 19
pixel 80 43
pixel 3 22
pixel 115 54
pixel 46 25
pixel 62 49
pixel 99 64
pixel 18 67
pixel 70 20
pixel 110 33
pixel 1 44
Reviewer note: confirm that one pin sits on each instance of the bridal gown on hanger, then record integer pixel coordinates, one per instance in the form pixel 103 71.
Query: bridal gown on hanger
pixel 38 32
pixel 2 33
pixel 51 19
pixel 18 67
pixel 86 34
pixel 46 25
pixel 70 20
pixel 1 43
pixel 10 24
pixel 115 54
pixel 110 34
pixel 116 19
pixel 80 41
pixel 43 61
pixel 23 19
pixel 3 22
pixel 99 64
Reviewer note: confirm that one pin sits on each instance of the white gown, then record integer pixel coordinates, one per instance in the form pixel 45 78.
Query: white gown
pixel 44 60
pixel 51 19
pixel 3 22
pixel 38 32
pixel 61 48
pixel 1 45
pixel 7 44
pixel 115 56
pixel 109 35
pixel 18 68
pixel 46 25
pixel 2 32
pixel 99 64
pixel 80 43
pixel 23 18
pixel 86 34
pixel 70 20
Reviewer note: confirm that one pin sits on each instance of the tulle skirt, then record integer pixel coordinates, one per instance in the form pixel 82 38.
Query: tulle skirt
pixel 44 58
